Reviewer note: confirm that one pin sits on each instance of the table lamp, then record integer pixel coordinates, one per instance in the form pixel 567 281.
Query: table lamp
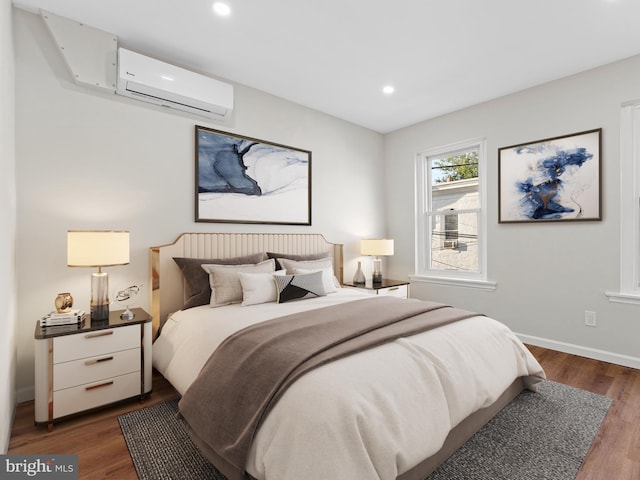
pixel 98 248
pixel 376 247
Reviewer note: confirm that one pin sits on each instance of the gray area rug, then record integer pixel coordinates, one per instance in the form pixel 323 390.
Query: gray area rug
pixel 541 436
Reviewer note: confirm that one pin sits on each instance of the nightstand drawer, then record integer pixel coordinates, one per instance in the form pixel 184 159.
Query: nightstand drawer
pixel 93 369
pixel 399 291
pixel 98 342
pixel 90 395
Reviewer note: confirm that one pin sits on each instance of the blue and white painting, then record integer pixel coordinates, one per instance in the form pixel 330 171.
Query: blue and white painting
pixel 245 180
pixel 551 180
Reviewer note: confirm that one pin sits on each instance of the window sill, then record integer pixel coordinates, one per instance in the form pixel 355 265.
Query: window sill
pixel 455 282
pixel 619 297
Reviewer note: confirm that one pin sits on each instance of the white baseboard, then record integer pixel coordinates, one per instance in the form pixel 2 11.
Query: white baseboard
pixel 594 353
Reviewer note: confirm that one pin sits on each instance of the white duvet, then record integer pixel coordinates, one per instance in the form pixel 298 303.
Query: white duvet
pixel 372 415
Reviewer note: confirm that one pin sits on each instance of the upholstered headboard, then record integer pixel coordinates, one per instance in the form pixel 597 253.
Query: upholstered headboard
pixel 166 280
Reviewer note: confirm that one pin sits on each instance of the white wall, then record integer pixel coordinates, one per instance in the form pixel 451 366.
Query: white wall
pixel 7 232
pixel 547 274
pixel 91 160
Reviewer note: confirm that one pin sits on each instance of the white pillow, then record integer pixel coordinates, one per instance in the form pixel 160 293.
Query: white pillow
pixel 320 264
pixel 258 287
pixel 225 280
pixel 327 277
pixel 290 265
pixel 325 264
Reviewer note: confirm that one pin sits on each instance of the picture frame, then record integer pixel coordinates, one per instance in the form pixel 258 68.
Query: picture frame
pixel 241 179
pixel 551 180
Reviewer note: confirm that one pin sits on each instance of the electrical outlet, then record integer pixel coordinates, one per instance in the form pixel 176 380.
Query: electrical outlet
pixel 589 318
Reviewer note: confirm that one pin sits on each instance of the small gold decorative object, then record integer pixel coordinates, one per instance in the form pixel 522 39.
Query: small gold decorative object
pixel 64 302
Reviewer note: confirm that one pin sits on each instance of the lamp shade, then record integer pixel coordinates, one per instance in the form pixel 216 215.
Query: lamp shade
pixel 376 247
pixel 97 248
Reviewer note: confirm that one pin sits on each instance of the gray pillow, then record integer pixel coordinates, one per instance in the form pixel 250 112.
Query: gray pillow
pixel 196 281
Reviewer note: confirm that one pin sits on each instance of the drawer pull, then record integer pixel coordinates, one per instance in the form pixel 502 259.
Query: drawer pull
pixel 391 289
pixel 98 360
pixel 99 334
pixel 100 385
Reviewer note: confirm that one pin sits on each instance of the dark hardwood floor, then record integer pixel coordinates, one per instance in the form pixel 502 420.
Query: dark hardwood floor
pixel 96 437
pixel 615 452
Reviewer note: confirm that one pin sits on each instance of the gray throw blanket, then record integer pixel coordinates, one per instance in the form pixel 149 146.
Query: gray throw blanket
pixel 248 372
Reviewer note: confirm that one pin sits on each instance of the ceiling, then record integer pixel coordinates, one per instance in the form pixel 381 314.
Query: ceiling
pixel 336 55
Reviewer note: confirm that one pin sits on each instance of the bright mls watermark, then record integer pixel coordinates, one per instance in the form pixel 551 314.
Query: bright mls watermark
pixel 52 467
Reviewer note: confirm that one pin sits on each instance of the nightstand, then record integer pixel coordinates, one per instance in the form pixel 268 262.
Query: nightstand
pixel 394 288
pixel 90 365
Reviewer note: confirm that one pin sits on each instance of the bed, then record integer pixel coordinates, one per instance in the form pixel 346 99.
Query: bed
pixel 391 411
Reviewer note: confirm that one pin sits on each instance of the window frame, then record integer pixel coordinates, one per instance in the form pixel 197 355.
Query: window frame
pixel 423 226
pixel 629 206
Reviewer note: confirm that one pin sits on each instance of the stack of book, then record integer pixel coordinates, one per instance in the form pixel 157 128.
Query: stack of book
pixel 71 317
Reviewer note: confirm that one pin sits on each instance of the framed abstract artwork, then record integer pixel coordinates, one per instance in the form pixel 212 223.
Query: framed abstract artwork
pixel 551 180
pixel 245 180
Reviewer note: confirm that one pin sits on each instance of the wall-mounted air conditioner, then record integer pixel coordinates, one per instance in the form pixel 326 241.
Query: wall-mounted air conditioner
pixel 151 80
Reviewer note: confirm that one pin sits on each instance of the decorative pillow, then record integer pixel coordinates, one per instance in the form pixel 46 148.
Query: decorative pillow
pixel 196 281
pixel 258 287
pixel 310 256
pixel 327 277
pixel 225 281
pixel 323 264
pixel 296 287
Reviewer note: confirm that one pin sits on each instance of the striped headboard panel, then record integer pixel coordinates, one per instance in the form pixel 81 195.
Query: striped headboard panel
pixel 167 287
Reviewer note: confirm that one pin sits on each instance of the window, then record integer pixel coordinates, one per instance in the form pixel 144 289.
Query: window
pixel 629 206
pixel 450 215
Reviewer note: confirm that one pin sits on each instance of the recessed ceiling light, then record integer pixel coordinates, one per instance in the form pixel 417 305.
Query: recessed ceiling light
pixel 388 89
pixel 222 9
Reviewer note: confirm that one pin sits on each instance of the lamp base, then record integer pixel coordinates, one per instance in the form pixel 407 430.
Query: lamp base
pixel 99 296
pixel 100 312
pixel 127 315
pixel 376 276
